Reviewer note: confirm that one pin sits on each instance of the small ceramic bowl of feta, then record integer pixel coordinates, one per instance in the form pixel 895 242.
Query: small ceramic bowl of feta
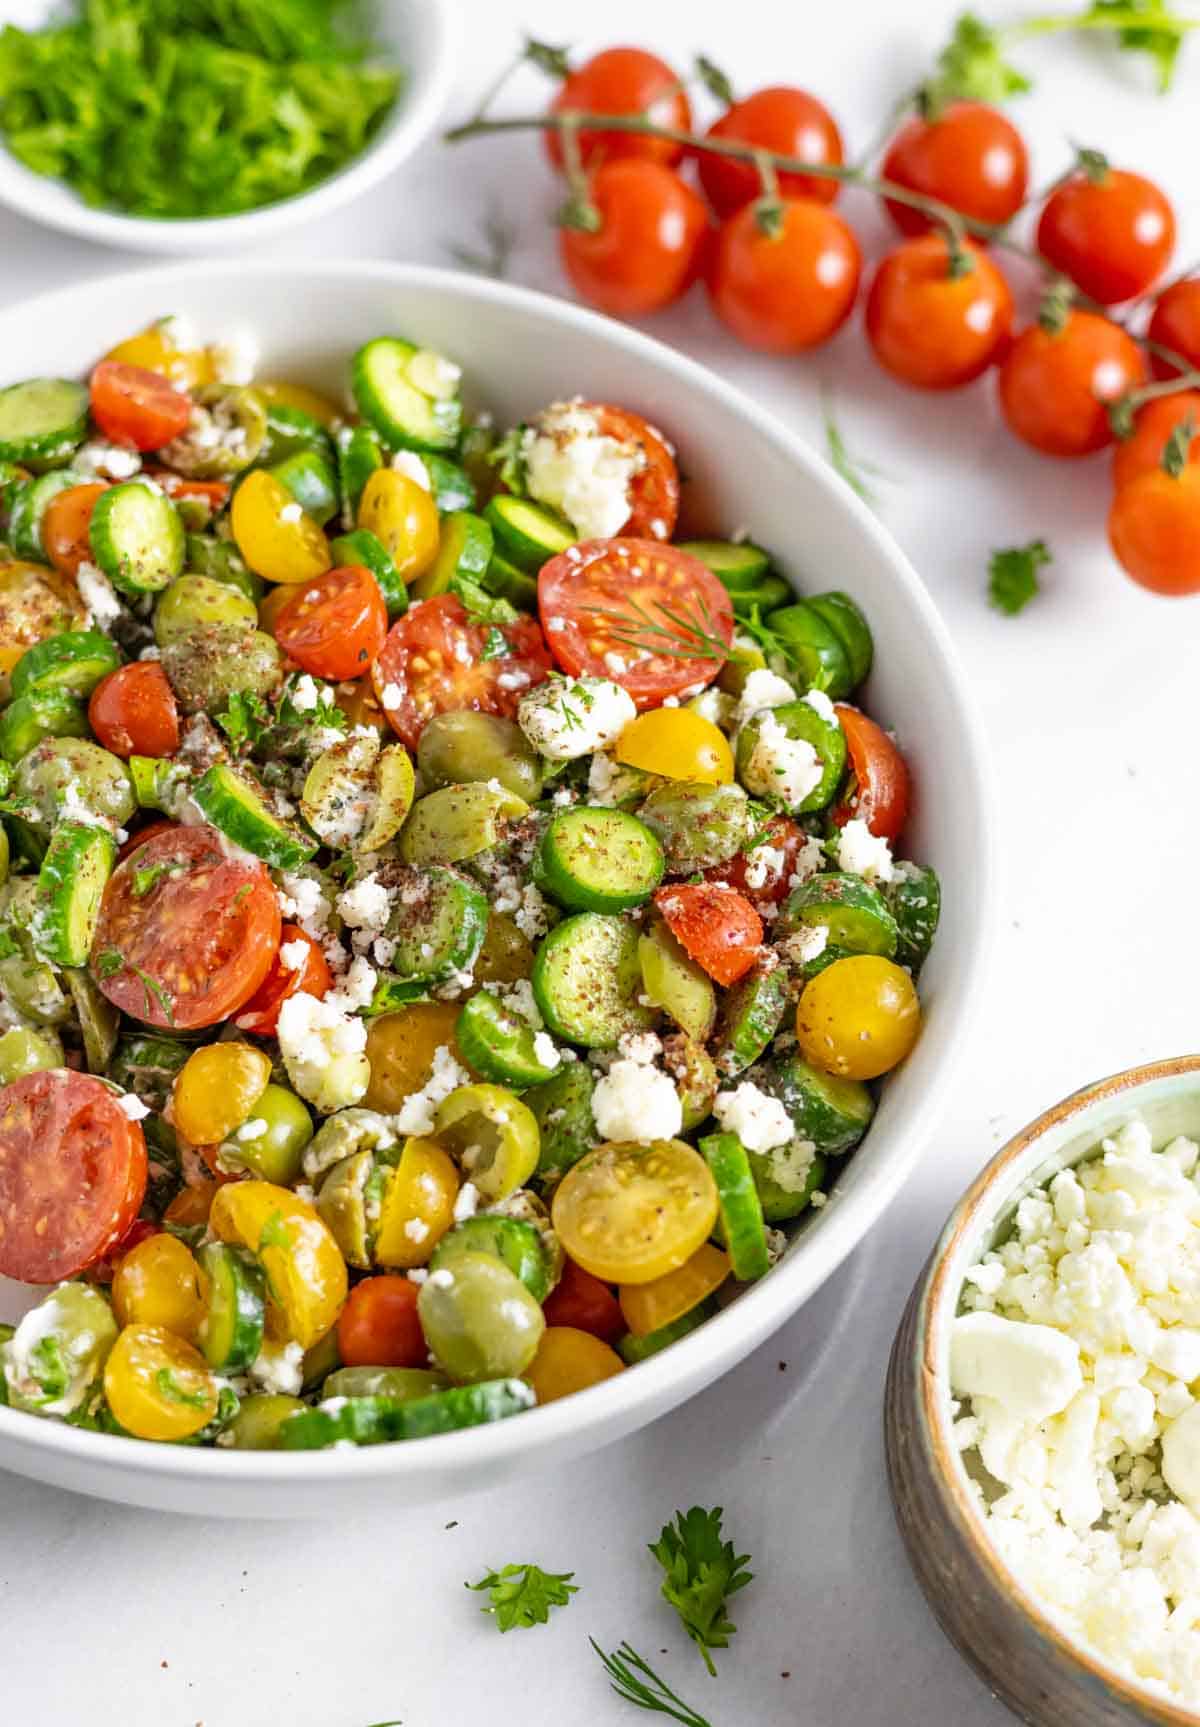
pixel 1042 1416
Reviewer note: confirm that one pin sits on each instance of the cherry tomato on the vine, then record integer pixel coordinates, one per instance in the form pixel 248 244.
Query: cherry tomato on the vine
pixel 1110 231
pixel 132 405
pixel 1154 529
pixel 1175 324
pixel 623 81
pixel 970 157
pixel 935 321
pixel 783 119
pixel 648 248
pixel 133 711
pixel 1055 386
pixel 1142 451
pixel 789 286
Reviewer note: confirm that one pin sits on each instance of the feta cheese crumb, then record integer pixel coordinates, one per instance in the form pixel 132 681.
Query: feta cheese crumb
pixel 545 1049
pixel 417 1111
pixel 781 767
pixel 636 1102
pixel 565 718
pixel 820 704
pixel 763 689
pixel 98 595
pixel 759 1120
pixel 324 1050
pixel 408 463
pixel 575 469
pixel 291 513
pixel 292 955
pixel 132 1107
pixel 862 853
pixel 279 1368
pixel 466 1203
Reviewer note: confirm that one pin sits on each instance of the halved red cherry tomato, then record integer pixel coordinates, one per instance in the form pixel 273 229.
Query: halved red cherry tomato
pixel 430 664
pixel 312 976
pixel 623 81
pixel 597 600
pixel 186 933
pixel 717 925
pixel 971 157
pixel 1142 451
pixel 65 525
pixel 654 489
pixel 880 795
pixel 1111 233
pixel 1175 324
pixel 379 1325
pixel 1055 385
pixel 789 289
pixel 132 405
pixel 336 626
pixel 1154 529
pixel 648 247
pixel 781 835
pixel 72 1174
pixel 133 711
pixel 148 832
pixel 214 493
pixel 783 119
pixel 583 1302
pixel 933 325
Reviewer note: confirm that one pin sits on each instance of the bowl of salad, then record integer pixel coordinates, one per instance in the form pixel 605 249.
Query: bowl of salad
pixel 497 872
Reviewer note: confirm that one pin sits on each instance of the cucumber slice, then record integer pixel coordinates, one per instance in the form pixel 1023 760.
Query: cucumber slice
pixel 154 778
pixel 75 661
pixel 742 1221
pixel 787 1178
pixel 509 583
pixel 231 801
pixel 798 720
pixel 833 1113
pixel 453 488
pixel 914 897
pixel 737 564
pixel 42 421
pixel 290 431
pixel 854 914
pixel 750 1016
pixel 440 930
pixel 499 1045
pixel 598 860
pixel 464 550
pixel 771 592
pixel 587 980
pixel 390 382
pixel 40 714
pixel 137 538
pixel 365 548
pixel 27 507
pixel 562 1109
pixel 359 453
pixel 99 1021
pixel 379 1420
pixel 633 1349
pixel 77 864
pixel 510 1239
pixel 232 1334
pixel 309 476
pixel 814 649
pixel 481 605
pixel 851 627
pixel 527 534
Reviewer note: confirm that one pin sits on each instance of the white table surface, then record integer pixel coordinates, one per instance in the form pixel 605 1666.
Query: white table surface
pixel 113 1616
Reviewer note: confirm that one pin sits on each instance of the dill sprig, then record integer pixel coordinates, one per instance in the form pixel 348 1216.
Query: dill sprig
pixel 683 636
pixel 637 1682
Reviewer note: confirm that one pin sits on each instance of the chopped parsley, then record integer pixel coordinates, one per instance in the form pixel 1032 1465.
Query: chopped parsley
pixel 521 1596
pixel 1013 576
pixel 702 1572
pixel 171 1391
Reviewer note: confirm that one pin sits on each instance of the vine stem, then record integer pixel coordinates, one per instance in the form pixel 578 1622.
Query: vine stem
pixel 1132 19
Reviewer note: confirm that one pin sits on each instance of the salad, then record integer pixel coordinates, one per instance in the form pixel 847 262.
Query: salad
pixel 448 925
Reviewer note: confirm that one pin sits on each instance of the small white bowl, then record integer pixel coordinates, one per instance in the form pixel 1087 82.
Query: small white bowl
pixel 520 350
pixel 418 36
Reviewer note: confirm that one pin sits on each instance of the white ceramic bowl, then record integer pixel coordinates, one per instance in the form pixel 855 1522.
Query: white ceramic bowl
pixel 521 350
pixel 420 36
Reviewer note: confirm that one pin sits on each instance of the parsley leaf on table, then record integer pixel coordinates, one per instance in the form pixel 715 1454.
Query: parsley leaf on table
pixel 1013 575
pixel 971 67
pixel 522 1595
pixel 702 1572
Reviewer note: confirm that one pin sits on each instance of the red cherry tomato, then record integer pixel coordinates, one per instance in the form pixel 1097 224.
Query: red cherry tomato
pixel 430 664
pixel 654 489
pixel 186 933
pixel 1175 324
pixel 1153 424
pixel 72 1174
pixel 143 834
pixel 648 248
pixel 582 1301
pixel 596 599
pixel 312 977
pixel 788 290
pixel 336 627
pixel 717 925
pixel 970 157
pixel 66 524
pixel 880 795
pixel 379 1325
pixel 1112 234
pixel 133 711
pixel 934 328
pixel 1055 386
pixel 1154 530
pixel 783 119
pixel 781 835
pixel 132 405
pixel 623 81
pixel 214 493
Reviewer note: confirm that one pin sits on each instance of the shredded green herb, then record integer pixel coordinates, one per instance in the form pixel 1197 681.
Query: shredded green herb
pixel 1013 575
pixel 521 1596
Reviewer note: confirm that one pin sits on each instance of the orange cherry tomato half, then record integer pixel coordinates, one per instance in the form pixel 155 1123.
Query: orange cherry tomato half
pixel 1154 529
pixel 312 977
pixel 66 524
pixel 717 926
pixel 623 81
pixel 786 290
pixel 783 119
pixel 379 1325
pixel 935 326
pixel 880 795
pixel 1111 233
pixel 132 405
pixel 971 157
pixel 1175 324
pixel 1142 451
pixel 648 247
pixel 654 489
pixel 782 835
pixel 133 711
pixel 584 1303
pixel 1055 386
pixel 336 626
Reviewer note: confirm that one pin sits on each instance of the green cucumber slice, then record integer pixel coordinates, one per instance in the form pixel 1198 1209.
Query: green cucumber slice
pixel 509 583
pixel 359 453
pixel 771 592
pixel 309 476
pixel 365 548
pixel 750 1016
pixel 379 1420
pixel 231 801
pixel 500 1045
pixel 99 1021
pixel 742 1222
pixel 452 486
pixel 833 1113
pixel 633 1349
pixel 854 914
pixel 292 430
pixel 527 534
pixel 587 980
pixel 232 1334
pixel 42 421
pixel 814 649
pixel 137 537
pixel 439 928
pixel 737 564
pixel 509 1239
pixel 386 377
pixel 598 860
pixel 27 507
pixel 464 550
pixel 77 864
pixel 799 720
pixel 914 897
pixel 851 628
pixel 154 778
pixel 562 1108
pixel 787 1178
pixel 74 661
pixel 40 714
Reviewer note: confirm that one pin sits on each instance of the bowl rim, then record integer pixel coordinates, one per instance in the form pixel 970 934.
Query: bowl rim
pixel 422 101
pixel 619 1404
pixel 941 1289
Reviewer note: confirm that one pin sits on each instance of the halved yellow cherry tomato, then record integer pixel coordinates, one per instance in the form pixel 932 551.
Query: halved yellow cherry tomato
pixel 418 1206
pixel 630 1213
pixel 858 1018
pixel 649 1306
pixel 306 1274
pixel 158 1386
pixel 298 396
pixel 159 1283
pixel 679 743
pixel 401 1047
pixel 568 1361
pixel 274 535
pixel 155 349
pixel 402 514
pixel 217 1089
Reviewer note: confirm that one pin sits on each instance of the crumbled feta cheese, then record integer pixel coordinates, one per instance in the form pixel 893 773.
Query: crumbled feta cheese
pixel 530 916
pixel 643 1047
pixel 442 1278
pixel 97 459
pixel 820 704
pixel 366 905
pixel 98 595
pixel 292 955
pixel 235 359
pixel 132 1106
pixel 566 718
pixel 763 689
pixel 781 767
pixel 636 1102
pixel 408 463
pixel 417 1111
pixel 279 1368
pixel 392 697
pixel 466 1203
pixel 575 469
pixel 324 1050
pixel 860 852
pixel 304 694
pixel 806 944
pixel 544 1049
pixel 765 866
pixel 759 1120
pixel 291 512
